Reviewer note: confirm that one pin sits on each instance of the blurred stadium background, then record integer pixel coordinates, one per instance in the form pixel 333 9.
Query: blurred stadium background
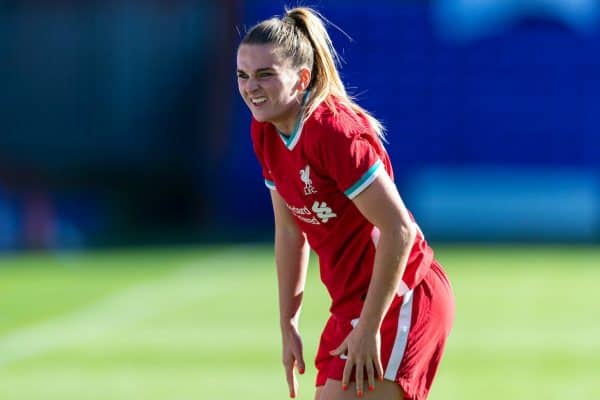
pixel 134 223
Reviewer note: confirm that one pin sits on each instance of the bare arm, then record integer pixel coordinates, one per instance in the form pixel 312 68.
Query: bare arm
pixel 291 259
pixel 381 204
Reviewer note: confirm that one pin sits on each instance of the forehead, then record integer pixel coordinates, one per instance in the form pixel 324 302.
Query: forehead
pixel 251 57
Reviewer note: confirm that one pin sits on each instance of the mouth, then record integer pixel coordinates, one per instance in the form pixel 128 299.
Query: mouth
pixel 257 101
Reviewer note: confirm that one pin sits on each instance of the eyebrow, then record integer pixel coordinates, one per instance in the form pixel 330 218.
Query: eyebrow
pixel 258 70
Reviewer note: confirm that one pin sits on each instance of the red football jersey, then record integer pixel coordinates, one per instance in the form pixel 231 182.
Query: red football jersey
pixel 318 170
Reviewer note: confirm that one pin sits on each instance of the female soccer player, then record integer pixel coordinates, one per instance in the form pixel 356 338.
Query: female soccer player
pixel 332 188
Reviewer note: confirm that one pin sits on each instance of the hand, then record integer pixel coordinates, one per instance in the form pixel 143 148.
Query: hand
pixel 362 348
pixel 292 357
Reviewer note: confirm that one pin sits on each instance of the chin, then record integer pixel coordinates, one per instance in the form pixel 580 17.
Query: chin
pixel 261 117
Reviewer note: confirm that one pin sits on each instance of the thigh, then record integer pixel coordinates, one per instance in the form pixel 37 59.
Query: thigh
pixel 332 390
pixel 318 392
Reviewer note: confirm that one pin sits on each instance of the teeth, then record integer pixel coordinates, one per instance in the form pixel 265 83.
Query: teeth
pixel 258 100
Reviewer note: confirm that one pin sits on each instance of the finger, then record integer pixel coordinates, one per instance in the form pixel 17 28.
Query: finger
pixel 359 373
pixel 291 379
pixel 379 368
pixel 346 374
pixel 342 349
pixel 300 363
pixel 370 375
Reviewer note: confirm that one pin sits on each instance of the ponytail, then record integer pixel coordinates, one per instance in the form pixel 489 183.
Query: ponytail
pixel 302 37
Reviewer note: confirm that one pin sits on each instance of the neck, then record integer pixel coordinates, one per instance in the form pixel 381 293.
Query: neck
pixel 287 124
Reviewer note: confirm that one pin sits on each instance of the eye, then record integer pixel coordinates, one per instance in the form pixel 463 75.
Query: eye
pixel 265 74
pixel 242 75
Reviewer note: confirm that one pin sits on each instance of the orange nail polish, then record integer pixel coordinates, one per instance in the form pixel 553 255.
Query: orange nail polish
pixel 344 386
pixel 292 395
pixel 359 393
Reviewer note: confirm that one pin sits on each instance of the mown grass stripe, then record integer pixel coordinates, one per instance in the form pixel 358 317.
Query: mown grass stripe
pixel 119 311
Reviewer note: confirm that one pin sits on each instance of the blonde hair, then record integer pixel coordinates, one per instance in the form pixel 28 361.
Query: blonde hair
pixel 301 37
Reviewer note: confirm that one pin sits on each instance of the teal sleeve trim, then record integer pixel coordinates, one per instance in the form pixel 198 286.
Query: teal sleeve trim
pixel 364 181
pixel 270 184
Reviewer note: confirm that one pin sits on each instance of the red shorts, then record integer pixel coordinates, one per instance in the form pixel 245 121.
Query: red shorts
pixel 413 335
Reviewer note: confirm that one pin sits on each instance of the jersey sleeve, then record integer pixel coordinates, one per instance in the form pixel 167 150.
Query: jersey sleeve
pixel 352 161
pixel 257 133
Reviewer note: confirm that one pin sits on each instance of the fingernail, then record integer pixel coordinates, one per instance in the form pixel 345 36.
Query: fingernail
pixel 344 386
pixel 371 388
pixel 359 393
pixel 292 396
pixel 301 371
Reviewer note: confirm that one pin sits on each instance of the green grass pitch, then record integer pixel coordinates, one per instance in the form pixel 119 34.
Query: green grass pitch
pixel 203 324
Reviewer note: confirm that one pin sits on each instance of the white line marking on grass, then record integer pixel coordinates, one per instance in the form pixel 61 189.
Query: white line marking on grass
pixel 120 310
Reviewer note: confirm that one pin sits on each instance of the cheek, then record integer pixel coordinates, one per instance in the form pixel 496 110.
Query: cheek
pixel 282 90
pixel 241 87
pixel 290 81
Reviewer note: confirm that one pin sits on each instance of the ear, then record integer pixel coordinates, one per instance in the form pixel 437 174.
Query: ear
pixel 305 76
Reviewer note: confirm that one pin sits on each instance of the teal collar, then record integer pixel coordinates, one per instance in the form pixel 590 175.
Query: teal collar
pixel 291 141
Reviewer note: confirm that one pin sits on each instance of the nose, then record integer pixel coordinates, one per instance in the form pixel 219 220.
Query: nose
pixel 252 84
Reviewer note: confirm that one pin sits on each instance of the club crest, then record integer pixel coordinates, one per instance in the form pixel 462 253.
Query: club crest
pixel 305 178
